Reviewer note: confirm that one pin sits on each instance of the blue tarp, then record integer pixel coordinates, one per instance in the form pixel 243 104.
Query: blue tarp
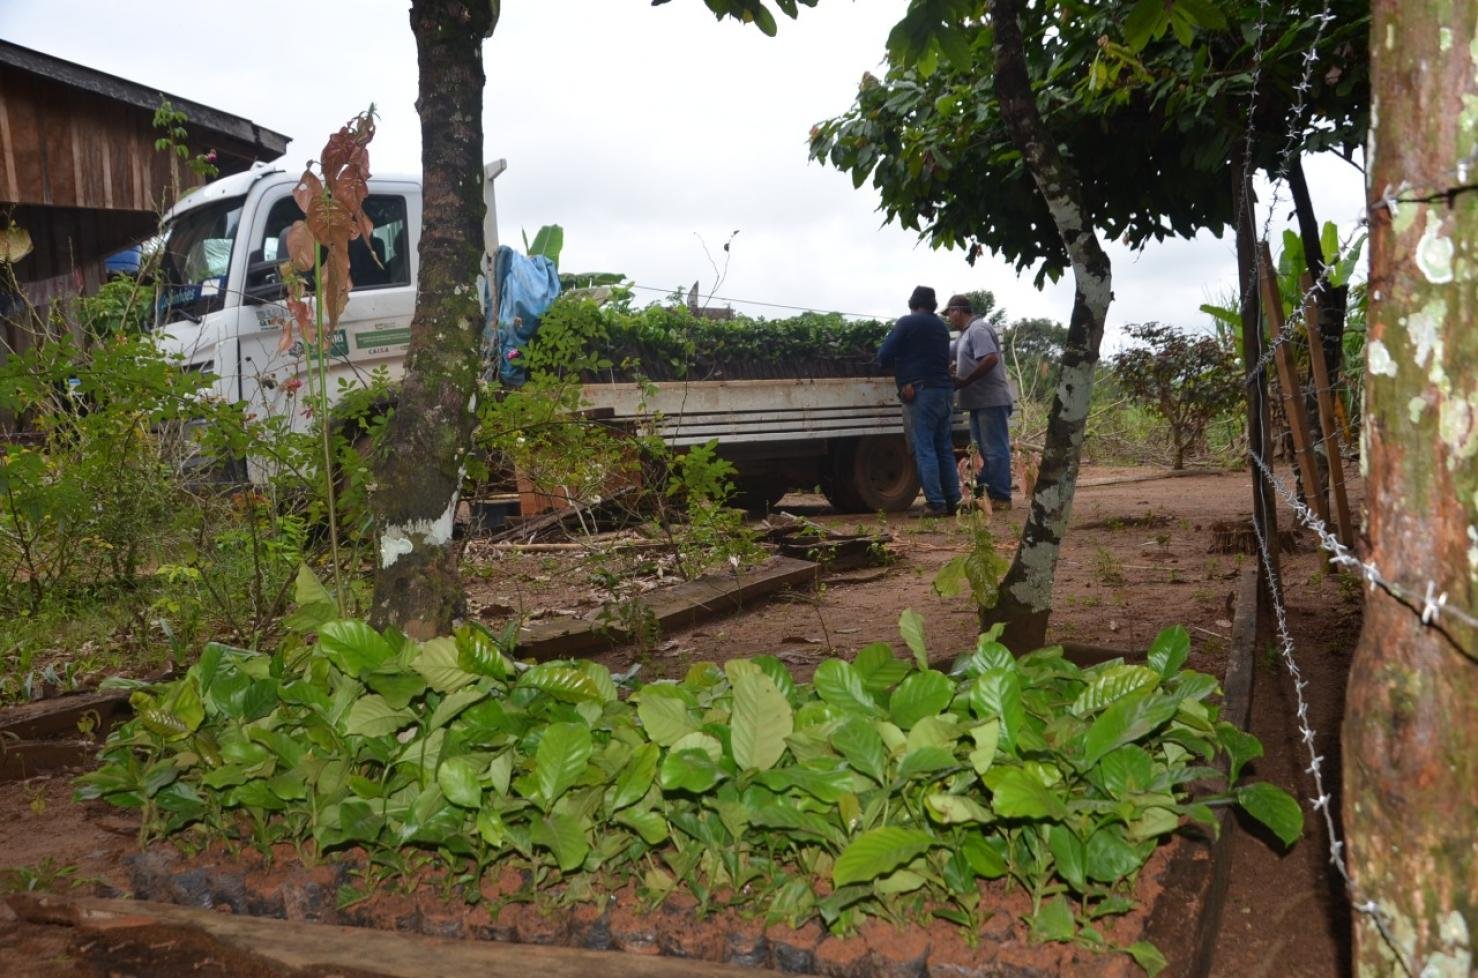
pixel 527 287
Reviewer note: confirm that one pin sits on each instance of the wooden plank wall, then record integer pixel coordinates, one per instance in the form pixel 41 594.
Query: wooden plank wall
pixel 67 148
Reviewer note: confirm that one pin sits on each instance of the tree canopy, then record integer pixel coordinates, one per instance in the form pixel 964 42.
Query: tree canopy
pixel 1148 99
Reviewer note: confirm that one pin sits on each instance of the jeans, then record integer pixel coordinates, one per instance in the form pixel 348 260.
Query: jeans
pixel 929 418
pixel 989 429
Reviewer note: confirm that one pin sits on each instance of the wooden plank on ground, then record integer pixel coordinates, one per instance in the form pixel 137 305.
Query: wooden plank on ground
pixel 674 607
pixel 60 716
pixel 1328 421
pixel 325 948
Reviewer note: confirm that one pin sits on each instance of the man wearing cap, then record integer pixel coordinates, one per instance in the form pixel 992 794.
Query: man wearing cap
pixel 917 348
pixel 985 393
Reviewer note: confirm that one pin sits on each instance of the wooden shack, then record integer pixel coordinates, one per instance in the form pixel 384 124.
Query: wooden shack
pixel 79 172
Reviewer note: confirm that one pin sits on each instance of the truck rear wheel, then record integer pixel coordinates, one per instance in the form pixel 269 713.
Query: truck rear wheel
pixel 873 474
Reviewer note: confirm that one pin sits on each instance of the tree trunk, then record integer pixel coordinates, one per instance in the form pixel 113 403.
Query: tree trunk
pixel 1411 730
pixel 418 472
pixel 1025 601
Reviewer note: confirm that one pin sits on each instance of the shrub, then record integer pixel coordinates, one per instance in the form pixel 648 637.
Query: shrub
pixel 882 787
pixel 1187 381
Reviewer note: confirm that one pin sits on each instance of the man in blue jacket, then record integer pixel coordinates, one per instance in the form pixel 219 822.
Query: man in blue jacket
pixel 917 348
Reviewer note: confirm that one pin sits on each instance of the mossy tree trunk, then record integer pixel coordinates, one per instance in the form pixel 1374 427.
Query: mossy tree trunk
pixel 1025 602
pixel 418 471
pixel 1411 721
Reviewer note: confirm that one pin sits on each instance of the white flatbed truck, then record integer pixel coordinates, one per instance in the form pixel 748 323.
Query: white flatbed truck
pixel 220 312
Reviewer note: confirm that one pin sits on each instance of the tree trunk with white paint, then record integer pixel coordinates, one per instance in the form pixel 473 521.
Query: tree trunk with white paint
pixel 418 471
pixel 1411 721
pixel 1025 601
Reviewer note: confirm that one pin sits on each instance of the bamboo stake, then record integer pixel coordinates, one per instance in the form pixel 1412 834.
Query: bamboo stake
pixel 1328 423
pixel 1288 380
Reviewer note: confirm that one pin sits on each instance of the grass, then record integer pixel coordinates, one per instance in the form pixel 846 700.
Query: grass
pixel 71 643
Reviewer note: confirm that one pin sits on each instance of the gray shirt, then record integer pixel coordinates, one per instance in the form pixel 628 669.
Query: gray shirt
pixel 978 341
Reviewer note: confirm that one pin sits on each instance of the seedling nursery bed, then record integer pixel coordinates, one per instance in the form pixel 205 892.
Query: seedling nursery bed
pixel 1174 887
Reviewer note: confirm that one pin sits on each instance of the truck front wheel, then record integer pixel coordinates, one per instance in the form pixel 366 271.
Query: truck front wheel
pixel 873 474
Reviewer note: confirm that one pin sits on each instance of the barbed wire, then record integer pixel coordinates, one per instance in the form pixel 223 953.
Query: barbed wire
pixel 1249 140
pixel 1427 602
pixel 1294 135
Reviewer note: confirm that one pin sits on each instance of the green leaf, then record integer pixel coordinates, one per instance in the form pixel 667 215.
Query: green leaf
pixel 1054 921
pixel 827 780
pixel 308 589
pixel 879 851
pixel 996 695
pixel 1170 649
pixel 664 715
pixel 1069 854
pixel 1148 957
pixel 1016 793
pixel 651 826
pixel 922 694
pixel 371 716
pixel 457 777
pixel 636 777
pixel 455 703
pixel 478 652
pixel 398 687
pixel 1125 771
pixel 437 662
pixel 954 809
pixel 563 683
pixel 793 820
pixel 838 683
pixel 925 760
pixel 1273 807
pixel 560 759
pixel 690 770
pixel 564 836
pixel 1112 683
pixel 859 742
pixel 1108 857
pixel 1241 747
pixel 911 627
pixel 354 647
pixel 760 722
pixel 879 669
pixel 1125 721
pixel 1147 20
pixel 490 826
pixel 986 736
pixel 983 858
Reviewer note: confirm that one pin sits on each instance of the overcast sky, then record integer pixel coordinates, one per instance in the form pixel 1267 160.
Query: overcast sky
pixel 644 131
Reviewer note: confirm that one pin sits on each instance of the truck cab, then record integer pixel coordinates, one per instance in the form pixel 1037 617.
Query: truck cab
pixel 220 308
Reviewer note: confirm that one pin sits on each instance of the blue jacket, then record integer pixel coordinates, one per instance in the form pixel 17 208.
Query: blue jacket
pixel 917 348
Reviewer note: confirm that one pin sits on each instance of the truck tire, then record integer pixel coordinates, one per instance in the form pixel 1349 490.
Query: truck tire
pixel 873 474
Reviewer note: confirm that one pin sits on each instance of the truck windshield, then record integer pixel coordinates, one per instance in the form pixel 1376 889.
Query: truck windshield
pixel 197 257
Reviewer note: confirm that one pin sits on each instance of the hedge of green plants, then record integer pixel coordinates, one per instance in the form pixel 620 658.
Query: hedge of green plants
pixel 662 343
pixel 881 787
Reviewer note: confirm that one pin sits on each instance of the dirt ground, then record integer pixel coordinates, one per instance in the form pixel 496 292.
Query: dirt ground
pixel 1136 560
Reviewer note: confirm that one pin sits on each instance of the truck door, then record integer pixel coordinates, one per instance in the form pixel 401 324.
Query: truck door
pixel 374 328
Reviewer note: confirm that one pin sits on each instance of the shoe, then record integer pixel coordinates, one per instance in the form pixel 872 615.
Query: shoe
pixel 1000 505
pixel 933 512
pixel 952 508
